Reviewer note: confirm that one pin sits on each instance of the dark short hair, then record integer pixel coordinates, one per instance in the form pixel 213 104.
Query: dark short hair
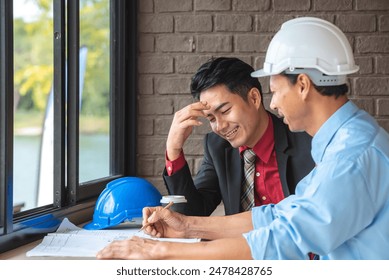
pixel 323 90
pixel 228 71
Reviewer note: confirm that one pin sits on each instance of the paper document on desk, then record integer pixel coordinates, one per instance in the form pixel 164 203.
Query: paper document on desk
pixel 72 241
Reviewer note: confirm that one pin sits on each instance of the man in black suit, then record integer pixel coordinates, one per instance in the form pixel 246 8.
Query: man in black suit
pixel 232 102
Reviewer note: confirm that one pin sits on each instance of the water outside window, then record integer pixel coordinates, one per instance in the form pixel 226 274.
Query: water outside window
pixel 33 119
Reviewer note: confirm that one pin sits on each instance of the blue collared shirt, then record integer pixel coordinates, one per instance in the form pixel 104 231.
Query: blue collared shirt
pixel 340 209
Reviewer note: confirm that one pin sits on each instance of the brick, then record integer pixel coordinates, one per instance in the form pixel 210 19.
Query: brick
pixel 155 23
pixel 214 43
pixel 252 43
pixel 182 101
pixel 351 39
pixel 245 58
pixel 383 106
pixel 266 103
pixel 186 64
pixel 151 146
pixel 356 23
pixel 365 65
pixel 382 64
pixel 145 126
pixel 372 86
pixel 155 64
pixel 270 22
pixel 351 87
pixel 158 183
pixel 212 5
pixel 265 88
pixel 194 146
pixel 233 23
pixel 162 125
pixel 146 6
pixel 366 104
pixel 172 6
pixel 333 5
pixel 251 5
pixel 197 165
pixel 159 166
pixel 172 85
pixel 196 23
pixel 174 43
pixel 383 23
pixel 258 62
pixel 384 123
pixel 203 129
pixel 372 44
pixel 145 167
pixel 145 85
pixel 370 5
pixel 288 6
pixel 146 43
pixel 191 164
pixel 155 106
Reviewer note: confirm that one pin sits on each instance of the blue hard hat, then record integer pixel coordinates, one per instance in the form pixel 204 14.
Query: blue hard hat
pixel 123 199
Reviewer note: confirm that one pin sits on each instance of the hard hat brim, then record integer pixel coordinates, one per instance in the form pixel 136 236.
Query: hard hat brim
pixel 261 73
pixel 93 226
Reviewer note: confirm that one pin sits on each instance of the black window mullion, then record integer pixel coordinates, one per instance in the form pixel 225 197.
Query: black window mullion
pixel 117 82
pixel 6 116
pixel 123 87
pixel 130 94
pixel 73 100
pixel 59 102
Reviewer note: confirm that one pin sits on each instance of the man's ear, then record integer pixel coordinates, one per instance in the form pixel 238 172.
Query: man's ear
pixel 304 83
pixel 254 96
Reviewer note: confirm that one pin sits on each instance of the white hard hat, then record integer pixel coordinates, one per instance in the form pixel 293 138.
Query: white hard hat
pixel 312 46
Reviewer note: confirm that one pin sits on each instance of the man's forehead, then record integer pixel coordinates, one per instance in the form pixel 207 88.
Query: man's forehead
pixel 274 81
pixel 216 107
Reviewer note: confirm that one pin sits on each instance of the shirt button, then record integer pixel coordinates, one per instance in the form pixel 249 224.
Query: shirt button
pixel 169 168
pixel 263 197
pixel 257 174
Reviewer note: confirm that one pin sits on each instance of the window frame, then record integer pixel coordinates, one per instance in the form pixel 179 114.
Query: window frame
pixel 76 200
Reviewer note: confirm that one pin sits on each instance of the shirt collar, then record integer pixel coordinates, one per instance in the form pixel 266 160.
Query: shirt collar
pixel 264 147
pixel 326 132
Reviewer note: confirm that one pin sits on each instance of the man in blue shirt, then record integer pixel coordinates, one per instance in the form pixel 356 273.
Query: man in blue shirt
pixel 340 209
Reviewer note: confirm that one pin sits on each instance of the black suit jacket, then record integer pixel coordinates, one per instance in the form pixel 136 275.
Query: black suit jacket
pixel 220 175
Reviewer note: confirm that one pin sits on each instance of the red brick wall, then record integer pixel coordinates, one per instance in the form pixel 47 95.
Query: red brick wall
pixel 177 36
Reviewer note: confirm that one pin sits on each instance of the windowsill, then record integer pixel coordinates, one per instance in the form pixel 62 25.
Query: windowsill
pixel 20 254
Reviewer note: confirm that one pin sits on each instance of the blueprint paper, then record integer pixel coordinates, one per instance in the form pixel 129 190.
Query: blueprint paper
pixel 72 241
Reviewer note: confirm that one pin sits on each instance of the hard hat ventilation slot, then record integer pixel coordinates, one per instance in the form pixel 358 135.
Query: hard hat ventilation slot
pixel 319 78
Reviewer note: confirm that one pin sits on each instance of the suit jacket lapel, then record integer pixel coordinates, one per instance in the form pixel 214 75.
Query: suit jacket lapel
pixel 234 176
pixel 281 146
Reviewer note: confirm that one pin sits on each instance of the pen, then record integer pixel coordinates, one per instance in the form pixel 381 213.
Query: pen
pixel 166 207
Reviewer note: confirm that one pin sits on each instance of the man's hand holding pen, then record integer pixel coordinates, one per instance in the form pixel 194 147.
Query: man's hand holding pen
pixel 162 222
pixel 146 224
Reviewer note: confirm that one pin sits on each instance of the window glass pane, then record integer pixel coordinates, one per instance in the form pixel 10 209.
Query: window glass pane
pixel 94 89
pixel 33 79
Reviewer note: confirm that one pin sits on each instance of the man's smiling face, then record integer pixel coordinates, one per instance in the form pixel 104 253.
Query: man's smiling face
pixel 231 117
